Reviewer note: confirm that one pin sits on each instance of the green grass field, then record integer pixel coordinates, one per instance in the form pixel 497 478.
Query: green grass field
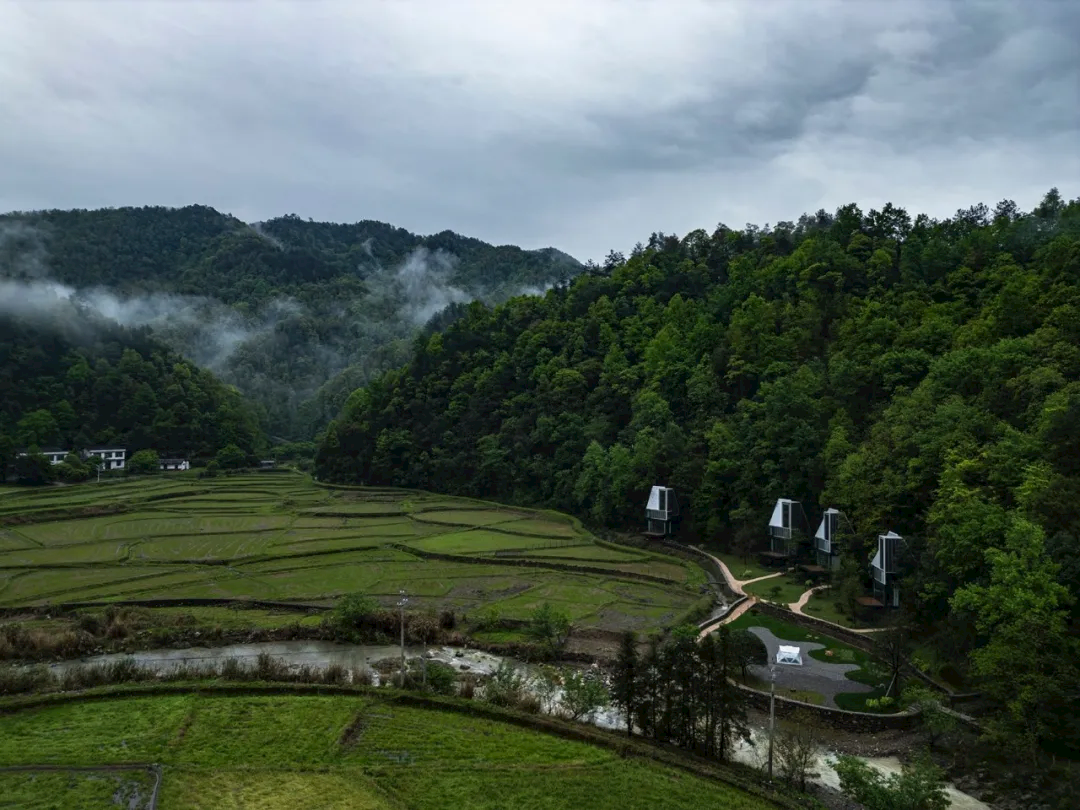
pixel 47 790
pixel 784 589
pixel 314 752
pixel 282 537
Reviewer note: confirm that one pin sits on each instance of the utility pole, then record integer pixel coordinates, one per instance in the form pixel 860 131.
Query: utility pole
pixel 772 714
pixel 404 600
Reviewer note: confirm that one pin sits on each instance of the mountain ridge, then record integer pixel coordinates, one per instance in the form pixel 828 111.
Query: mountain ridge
pixel 280 308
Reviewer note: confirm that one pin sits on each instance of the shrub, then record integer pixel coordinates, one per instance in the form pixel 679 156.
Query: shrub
pixel 335 673
pixel 352 612
pixel 467 689
pixel 505 687
pixel 583 694
pixel 441 678
pixel 550 628
pixel 144 462
pixel 363 675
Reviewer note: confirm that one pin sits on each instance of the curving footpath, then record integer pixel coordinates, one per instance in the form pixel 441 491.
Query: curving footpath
pixel 797 607
pixel 744 602
pixel 749 600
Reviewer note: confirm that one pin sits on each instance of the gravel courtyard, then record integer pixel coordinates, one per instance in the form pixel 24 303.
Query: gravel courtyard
pixel 813 676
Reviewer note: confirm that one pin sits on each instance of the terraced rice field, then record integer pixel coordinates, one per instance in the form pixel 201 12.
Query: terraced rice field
pixel 280 537
pixel 360 752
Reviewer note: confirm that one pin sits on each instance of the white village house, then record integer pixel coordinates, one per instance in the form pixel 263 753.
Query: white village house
pixel 54 454
pixel 112 458
pixel 172 464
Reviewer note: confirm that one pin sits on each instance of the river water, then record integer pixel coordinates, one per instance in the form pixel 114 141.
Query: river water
pixel 321 654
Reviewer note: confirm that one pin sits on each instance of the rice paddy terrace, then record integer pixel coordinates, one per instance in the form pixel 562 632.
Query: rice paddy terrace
pixel 280 537
pixel 365 751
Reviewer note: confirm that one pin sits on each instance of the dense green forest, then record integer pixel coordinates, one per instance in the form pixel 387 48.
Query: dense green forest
pixel 80 381
pixel 295 313
pixel 921 375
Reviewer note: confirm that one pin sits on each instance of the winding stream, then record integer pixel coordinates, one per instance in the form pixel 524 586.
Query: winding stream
pixel 321 654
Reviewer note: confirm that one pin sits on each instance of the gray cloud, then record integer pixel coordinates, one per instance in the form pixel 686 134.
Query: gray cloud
pixel 580 125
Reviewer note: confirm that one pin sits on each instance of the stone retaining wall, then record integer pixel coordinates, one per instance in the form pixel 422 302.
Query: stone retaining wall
pixel 861 722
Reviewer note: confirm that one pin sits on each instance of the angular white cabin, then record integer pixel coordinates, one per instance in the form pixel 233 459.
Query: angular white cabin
pixel 827 538
pixel 661 509
pixel 884 570
pixel 788 522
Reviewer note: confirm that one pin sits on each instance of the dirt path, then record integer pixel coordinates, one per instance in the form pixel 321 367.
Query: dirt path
pixel 739 587
pixel 797 607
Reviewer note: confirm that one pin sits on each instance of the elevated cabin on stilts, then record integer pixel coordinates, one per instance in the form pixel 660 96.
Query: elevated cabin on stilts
pixel 884 569
pixel 829 542
pixel 787 533
pixel 661 512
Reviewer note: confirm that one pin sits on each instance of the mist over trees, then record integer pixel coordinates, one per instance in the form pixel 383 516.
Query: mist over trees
pixel 82 385
pixel 921 375
pixel 295 313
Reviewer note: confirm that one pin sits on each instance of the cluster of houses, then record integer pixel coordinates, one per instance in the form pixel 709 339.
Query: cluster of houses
pixel 790 542
pixel 109 458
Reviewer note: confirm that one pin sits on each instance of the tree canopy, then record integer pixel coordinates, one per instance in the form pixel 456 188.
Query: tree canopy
pixel 921 375
pixel 76 382
pixel 295 313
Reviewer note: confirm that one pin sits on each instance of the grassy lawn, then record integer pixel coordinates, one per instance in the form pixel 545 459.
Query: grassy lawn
pixel 285 752
pixel 822 606
pixel 784 589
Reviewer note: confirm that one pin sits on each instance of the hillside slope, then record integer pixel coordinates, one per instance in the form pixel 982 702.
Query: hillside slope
pixel 78 380
pixel 279 308
pixel 923 376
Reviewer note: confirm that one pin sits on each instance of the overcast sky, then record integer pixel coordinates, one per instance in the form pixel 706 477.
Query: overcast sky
pixel 584 125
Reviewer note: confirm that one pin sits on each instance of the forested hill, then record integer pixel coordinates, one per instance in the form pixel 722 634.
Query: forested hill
pixel 78 381
pixel 279 308
pixel 921 375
